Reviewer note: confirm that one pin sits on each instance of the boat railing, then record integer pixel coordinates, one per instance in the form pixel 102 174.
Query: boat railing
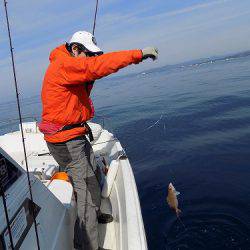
pixel 12 124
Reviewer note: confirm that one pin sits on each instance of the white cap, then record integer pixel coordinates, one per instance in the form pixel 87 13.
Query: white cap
pixel 86 39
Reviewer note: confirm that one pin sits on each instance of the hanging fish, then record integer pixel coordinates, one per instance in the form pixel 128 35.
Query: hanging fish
pixel 172 199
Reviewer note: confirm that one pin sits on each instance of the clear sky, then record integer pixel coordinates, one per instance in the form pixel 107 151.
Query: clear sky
pixel 181 29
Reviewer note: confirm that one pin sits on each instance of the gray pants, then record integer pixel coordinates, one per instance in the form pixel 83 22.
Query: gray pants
pixel 76 157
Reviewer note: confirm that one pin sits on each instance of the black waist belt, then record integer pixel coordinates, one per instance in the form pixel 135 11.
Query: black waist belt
pixel 83 124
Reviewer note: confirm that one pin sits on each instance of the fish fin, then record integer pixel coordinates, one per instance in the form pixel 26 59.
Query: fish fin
pixel 168 201
pixel 178 211
pixel 177 193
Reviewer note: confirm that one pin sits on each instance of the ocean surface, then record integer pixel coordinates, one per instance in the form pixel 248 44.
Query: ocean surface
pixel 189 126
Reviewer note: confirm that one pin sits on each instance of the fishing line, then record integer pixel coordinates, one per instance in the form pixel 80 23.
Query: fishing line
pixel 149 127
pixel 153 124
pixel 20 119
pixel 181 222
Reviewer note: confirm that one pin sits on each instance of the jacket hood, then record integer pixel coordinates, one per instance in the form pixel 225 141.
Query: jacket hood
pixel 59 52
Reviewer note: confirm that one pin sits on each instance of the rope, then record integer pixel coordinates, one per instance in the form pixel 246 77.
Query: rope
pixel 20 118
pixel 94 24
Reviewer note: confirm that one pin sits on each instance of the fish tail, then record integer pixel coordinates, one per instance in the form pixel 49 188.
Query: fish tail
pixel 178 211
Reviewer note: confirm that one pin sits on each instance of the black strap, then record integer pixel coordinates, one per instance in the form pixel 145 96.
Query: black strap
pixel 90 134
pixel 83 124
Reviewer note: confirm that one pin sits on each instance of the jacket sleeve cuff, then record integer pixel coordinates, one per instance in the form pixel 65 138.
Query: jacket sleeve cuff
pixel 138 56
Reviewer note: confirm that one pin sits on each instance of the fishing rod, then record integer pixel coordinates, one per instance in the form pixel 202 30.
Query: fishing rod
pixel 94 24
pixel 20 119
pixel 6 215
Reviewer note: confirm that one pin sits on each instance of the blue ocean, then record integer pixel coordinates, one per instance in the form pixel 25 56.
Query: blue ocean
pixel 189 125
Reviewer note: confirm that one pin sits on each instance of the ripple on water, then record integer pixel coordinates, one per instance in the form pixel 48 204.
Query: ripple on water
pixel 208 231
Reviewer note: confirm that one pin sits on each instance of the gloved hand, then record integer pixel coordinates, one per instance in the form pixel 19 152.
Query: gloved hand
pixel 150 52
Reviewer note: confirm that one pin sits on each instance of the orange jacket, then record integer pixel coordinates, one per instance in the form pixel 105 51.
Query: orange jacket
pixel 64 95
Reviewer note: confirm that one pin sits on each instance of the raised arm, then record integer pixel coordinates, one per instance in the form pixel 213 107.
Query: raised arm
pixel 109 63
pixel 79 70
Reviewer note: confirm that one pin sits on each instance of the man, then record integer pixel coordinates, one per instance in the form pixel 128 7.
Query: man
pixel 66 108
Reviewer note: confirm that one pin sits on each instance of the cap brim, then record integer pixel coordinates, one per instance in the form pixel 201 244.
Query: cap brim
pixel 92 48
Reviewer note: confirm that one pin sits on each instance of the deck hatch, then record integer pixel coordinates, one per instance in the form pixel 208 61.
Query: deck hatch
pixel 9 173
